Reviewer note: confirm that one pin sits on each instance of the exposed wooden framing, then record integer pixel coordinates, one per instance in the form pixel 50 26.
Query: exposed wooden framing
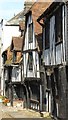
pixel 26 42
pixel 53 7
pixel 58 90
pixel 32 79
pixel 52 40
pixel 23 71
pixel 29 50
pixel 43 39
pixel 63 29
pixel 36 66
pixel 66 38
pixel 34 63
pixel 24 55
pixel 41 98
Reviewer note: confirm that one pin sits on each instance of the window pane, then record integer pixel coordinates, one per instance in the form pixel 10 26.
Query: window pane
pixel 14 56
pixel 30 61
pixel 30 32
pixel 58 24
pixel 47 33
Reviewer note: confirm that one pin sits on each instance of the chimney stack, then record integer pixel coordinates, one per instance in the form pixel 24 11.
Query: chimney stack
pixel 28 4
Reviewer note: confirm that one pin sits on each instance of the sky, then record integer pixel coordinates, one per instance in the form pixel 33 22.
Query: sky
pixel 10 7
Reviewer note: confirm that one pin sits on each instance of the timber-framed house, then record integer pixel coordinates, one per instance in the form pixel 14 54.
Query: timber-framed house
pixel 13 83
pixel 12 70
pixel 32 52
pixel 55 58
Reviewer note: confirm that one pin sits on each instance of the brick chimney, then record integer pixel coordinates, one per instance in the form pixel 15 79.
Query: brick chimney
pixel 28 4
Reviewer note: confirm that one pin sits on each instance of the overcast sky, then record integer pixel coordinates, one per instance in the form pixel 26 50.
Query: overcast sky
pixel 10 7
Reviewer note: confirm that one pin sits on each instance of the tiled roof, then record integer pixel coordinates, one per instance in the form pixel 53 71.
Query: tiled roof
pixel 49 11
pixel 20 16
pixel 9 56
pixel 37 9
pixel 17 43
pixel 15 20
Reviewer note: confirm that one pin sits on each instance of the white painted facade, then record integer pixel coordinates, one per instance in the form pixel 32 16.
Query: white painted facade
pixel 7 31
pixel 30 46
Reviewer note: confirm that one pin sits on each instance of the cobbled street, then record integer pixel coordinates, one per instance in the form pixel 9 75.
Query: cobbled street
pixel 12 112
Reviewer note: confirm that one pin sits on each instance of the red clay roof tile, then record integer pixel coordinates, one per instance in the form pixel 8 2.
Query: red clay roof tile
pixel 17 43
pixel 37 9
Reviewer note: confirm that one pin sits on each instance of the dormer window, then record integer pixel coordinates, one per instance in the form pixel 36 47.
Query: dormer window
pixel 30 33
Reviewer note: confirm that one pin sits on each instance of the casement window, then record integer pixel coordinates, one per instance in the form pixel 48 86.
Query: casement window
pixel 47 34
pixel 30 61
pixel 58 25
pixel 30 32
pixel 16 73
pixel 14 56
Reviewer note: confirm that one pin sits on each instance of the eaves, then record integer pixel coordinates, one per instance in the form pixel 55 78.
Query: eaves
pixel 29 50
pixel 50 10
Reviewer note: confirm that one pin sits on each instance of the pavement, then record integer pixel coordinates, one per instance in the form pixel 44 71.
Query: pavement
pixel 18 112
